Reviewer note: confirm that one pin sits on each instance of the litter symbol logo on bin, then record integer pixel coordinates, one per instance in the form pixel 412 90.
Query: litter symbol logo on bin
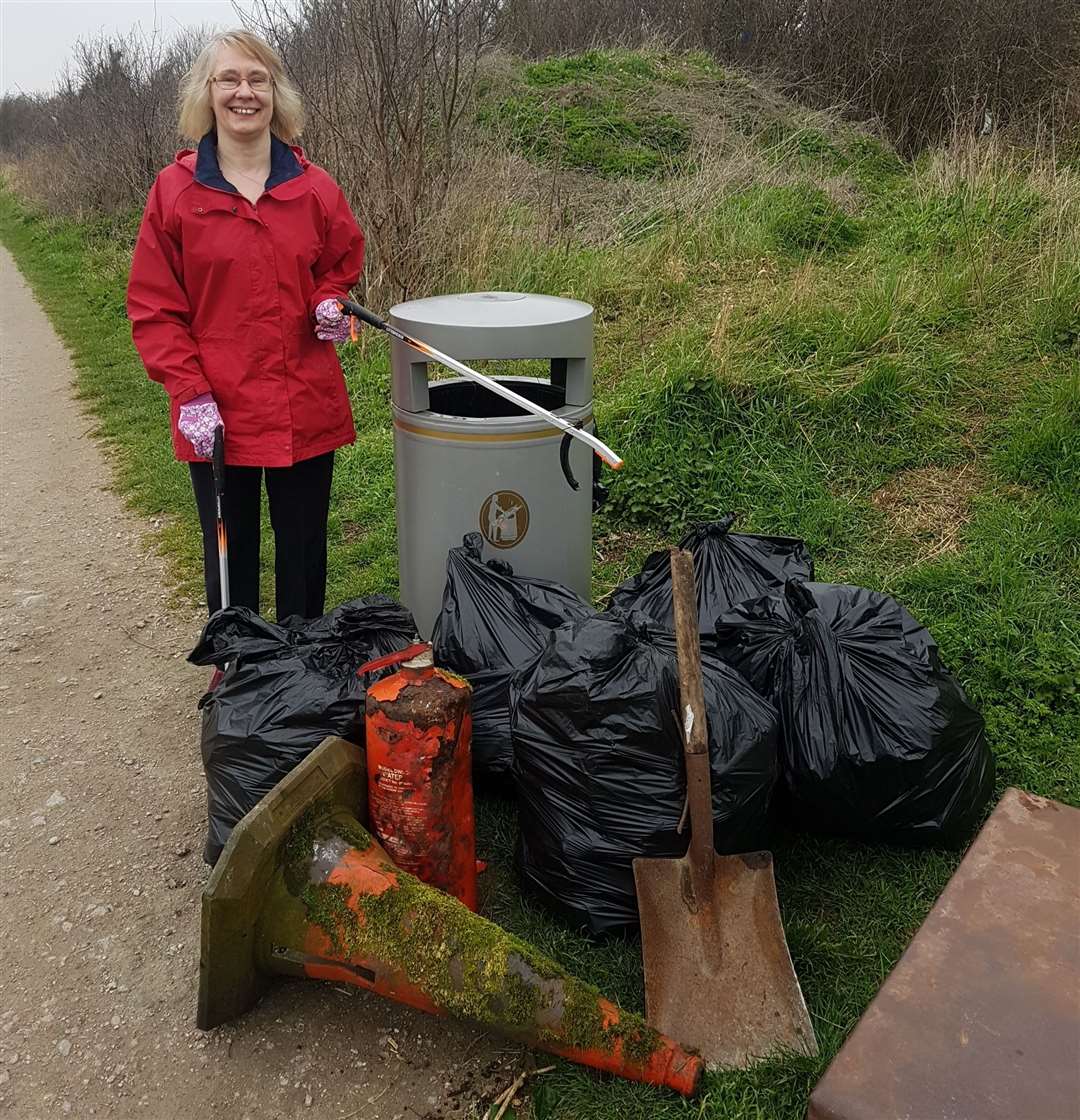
pixel 504 519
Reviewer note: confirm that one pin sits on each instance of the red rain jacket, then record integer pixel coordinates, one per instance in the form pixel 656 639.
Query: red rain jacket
pixel 222 296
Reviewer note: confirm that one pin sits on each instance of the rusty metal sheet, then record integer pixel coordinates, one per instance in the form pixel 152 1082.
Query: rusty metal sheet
pixel 980 1019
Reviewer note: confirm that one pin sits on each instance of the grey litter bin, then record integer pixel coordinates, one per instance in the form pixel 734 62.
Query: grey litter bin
pixel 468 461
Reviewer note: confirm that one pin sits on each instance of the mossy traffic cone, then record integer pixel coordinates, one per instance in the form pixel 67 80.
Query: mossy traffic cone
pixel 302 889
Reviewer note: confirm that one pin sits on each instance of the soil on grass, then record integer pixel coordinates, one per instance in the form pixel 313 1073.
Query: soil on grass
pixel 102 822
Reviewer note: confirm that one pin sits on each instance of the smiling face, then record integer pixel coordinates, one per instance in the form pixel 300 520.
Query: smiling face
pixel 242 113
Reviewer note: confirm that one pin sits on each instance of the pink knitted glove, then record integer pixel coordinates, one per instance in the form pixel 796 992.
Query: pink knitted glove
pixel 330 324
pixel 199 419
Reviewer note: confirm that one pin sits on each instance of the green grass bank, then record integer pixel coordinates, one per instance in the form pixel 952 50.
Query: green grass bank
pixel 793 324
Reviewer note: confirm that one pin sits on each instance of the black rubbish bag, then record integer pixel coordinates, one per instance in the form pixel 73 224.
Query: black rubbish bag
pixel 728 568
pixel 878 742
pixel 491 624
pixel 598 764
pixel 286 689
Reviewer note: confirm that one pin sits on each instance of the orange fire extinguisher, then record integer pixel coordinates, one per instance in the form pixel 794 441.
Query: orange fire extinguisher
pixel 419 764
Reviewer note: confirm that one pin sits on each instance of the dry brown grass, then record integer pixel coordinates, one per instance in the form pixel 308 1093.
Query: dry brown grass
pixel 496 201
pixel 930 506
pixel 988 163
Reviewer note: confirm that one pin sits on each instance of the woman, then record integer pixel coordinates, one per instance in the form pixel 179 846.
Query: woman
pixel 244 248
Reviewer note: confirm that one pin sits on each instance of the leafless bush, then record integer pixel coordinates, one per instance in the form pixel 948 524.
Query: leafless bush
pixel 96 144
pixel 26 122
pixel 386 84
pixel 537 28
pixel 924 68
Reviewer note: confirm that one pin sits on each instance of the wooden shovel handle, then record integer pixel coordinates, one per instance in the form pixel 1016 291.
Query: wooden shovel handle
pixel 692 694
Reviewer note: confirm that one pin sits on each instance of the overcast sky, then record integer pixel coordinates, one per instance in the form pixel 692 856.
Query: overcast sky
pixel 36 36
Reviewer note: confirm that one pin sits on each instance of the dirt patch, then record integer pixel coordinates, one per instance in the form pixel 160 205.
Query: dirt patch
pixel 930 505
pixel 352 531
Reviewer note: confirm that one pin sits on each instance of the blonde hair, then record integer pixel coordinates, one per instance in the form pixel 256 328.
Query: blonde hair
pixel 196 111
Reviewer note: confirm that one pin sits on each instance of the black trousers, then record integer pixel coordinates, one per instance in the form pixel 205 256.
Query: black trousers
pixel 299 499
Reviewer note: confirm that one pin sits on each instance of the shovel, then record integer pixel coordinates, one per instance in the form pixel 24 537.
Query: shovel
pixel 718 974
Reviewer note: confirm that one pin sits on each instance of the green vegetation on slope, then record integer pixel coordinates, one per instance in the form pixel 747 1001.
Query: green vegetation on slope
pixel 593 112
pixel 882 359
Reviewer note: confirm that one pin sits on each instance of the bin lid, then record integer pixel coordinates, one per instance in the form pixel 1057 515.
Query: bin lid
pixel 477 310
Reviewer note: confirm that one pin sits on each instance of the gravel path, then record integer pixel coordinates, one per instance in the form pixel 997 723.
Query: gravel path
pixel 102 819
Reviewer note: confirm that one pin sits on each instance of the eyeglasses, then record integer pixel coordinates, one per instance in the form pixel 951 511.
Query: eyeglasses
pixel 257 83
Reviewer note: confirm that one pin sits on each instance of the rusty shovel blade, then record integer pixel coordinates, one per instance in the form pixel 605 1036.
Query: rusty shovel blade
pixel 718 974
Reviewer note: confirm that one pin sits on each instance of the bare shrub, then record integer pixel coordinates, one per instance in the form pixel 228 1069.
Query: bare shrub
pixel 26 122
pixel 924 69
pixel 386 84
pixel 95 145
pixel 538 28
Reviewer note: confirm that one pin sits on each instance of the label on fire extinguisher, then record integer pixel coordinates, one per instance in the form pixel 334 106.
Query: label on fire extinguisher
pixel 399 811
pixel 390 778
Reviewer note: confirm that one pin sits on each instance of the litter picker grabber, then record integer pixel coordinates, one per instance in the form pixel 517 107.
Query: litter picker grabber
pixel 718 974
pixel 568 428
pixel 219 494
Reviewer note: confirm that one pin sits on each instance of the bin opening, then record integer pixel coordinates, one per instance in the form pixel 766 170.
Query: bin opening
pixel 470 400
